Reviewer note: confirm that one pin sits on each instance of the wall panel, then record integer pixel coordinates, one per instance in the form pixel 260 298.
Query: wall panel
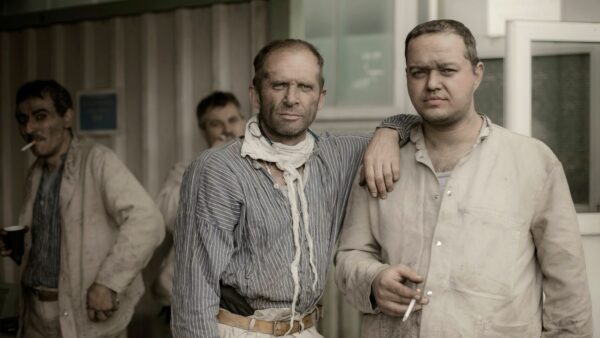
pixel 160 67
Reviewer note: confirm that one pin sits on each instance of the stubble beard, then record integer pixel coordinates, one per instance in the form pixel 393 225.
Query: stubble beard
pixel 280 129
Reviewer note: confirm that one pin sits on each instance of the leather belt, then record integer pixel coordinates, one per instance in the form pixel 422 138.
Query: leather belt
pixel 275 328
pixel 44 294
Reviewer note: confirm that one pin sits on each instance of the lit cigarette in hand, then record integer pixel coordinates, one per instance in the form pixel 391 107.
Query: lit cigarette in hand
pixel 411 305
pixel 29 145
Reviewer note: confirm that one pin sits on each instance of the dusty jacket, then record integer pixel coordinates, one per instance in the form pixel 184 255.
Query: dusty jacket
pixel 110 227
pixel 168 202
pixel 503 230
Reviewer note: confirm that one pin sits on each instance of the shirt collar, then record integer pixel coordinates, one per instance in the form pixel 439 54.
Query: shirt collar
pixel 416 133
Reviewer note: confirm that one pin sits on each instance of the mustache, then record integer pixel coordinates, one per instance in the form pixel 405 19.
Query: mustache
pixel 35 137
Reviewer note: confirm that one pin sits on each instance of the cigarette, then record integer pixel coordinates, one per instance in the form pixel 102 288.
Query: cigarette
pixel 29 145
pixel 411 305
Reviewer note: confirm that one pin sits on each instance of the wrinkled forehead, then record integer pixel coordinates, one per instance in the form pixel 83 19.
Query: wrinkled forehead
pixel 437 48
pixel 35 103
pixel 296 63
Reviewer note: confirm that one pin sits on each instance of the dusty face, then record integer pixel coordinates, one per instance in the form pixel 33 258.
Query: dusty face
pixel 222 124
pixel 289 95
pixel 40 122
pixel 441 81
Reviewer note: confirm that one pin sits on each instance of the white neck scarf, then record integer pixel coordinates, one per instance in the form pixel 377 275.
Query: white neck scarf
pixel 288 159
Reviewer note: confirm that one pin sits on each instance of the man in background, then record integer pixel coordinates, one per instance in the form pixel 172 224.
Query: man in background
pixel 93 227
pixel 219 120
pixel 481 219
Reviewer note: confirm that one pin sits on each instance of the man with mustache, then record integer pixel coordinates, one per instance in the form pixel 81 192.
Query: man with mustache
pixel 93 226
pixel 481 219
pixel 262 214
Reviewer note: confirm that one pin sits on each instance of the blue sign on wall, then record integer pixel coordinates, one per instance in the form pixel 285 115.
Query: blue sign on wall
pixel 98 112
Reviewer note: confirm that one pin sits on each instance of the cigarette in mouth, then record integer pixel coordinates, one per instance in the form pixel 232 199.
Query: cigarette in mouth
pixel 28 145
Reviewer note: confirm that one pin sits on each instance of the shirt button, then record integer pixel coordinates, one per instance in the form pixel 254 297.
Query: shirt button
pixel 276 186
pixel 436 197
pixel 66 314
pixel 449 193
pixel 438 243
pixel 429 293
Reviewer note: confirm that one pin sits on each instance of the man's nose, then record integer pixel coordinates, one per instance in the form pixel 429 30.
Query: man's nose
pixel 291 95
pixel 227 129
pixel 28 127
pixel 433 80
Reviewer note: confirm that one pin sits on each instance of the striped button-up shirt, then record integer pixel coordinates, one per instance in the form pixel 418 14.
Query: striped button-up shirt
pixel 234 225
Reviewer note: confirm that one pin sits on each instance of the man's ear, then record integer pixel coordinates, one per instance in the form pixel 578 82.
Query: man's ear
pixel 69 118
pixel 478 70
pixel 322 98
pixel 254 98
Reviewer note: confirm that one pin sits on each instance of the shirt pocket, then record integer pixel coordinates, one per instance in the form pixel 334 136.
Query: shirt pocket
pixel 489 247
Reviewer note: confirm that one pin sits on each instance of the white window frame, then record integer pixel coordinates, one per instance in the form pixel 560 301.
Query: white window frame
pixel 517 90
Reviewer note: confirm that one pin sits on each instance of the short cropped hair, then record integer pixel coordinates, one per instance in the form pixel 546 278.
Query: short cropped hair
pixel 41 88
pixel 214 100
pixel 446 26
pixel 290 44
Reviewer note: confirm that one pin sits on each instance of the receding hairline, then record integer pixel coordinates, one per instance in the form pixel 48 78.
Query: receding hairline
pixel 293 49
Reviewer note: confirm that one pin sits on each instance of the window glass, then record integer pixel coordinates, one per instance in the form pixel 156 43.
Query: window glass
pixel 561 114
pixel 356 40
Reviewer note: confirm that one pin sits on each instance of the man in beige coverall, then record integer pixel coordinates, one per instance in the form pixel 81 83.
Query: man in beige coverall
pixel 481 219
pixel 93 226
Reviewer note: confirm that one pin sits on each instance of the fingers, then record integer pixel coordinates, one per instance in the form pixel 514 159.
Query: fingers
pixel 370 178
pixel 100 316
pixel 395 170
pixel 406 272
pixel 388 176
pixel 362 180
pixel 3 250
pixel 102 302
pixel 391 293
pixel 380 182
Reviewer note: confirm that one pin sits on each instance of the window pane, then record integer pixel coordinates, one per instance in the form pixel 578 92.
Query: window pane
pixel 356 40
pixel 561 110
pixel 488 97
pixel 561 116
pixel 365 53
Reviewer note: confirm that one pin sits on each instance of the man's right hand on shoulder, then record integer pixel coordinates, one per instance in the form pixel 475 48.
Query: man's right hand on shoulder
pixel 391 295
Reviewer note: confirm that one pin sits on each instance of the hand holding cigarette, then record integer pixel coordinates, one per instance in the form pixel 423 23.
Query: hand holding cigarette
pixel 393 296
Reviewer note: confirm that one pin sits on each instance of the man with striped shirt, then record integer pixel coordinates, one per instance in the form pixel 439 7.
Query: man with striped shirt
pixel 262 214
